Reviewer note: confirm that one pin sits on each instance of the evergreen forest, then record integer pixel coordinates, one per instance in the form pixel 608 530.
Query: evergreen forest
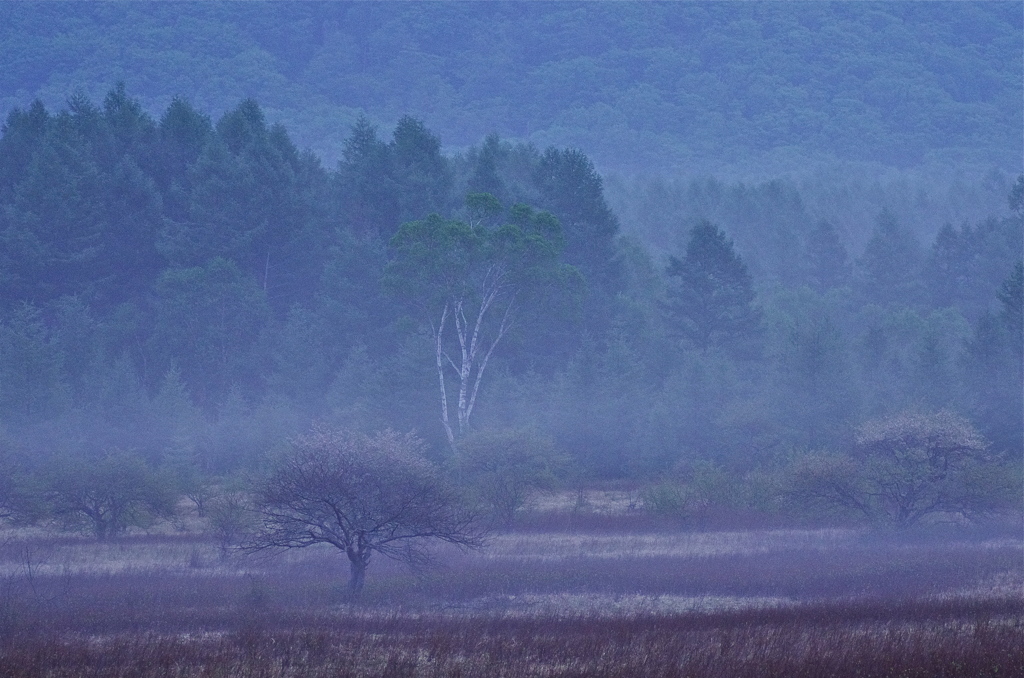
pixel 701 244
pixel 199 291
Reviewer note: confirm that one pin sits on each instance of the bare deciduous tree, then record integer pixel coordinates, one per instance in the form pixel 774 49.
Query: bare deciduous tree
pixel 363 495
pixel 110 494
pixel 229 518
pixel 906 467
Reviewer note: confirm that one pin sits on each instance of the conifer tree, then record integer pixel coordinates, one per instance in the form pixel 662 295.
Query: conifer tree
pixel 890 265
pixel 711 296
pixel 827 261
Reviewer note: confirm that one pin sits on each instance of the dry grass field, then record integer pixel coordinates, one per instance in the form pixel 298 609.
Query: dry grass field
pixel 606 597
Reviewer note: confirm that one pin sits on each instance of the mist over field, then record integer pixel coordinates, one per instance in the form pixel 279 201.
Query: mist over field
pixel 512 338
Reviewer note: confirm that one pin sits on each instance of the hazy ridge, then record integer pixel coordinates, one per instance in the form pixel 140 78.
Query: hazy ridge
pixel 743 88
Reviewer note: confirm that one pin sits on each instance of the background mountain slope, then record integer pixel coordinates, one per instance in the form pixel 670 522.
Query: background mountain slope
pixel 686 87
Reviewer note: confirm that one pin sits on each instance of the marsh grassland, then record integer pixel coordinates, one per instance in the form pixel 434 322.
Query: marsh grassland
pixel 596 594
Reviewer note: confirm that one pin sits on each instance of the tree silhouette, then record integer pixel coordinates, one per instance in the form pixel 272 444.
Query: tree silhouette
pixel 110 494
pixel 828 262
pixel 890 266
pixel 363 495
pixel 711 300
pixel 906 467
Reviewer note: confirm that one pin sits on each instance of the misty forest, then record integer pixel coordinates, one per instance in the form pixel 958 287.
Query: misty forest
pixel 511 339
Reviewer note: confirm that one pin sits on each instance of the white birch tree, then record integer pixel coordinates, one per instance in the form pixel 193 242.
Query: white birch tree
pixel 469 281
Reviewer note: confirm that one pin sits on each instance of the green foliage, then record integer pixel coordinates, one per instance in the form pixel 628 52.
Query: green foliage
pixel 199 290
pixel 965 267
pixel 31 383
pixel 208 321
pixel 906 357
pixel 828 261
pixel 368 193
pixel 993 369
pixel 1011 296
pixel 438 259
pixel 485 179
pixel 421 173
pixel 476 279
pixel 815 382
pixel 889 267
pixel 571 188
pixel 1016 197
pixel 299 356
pixel 184 133
pixel 435 258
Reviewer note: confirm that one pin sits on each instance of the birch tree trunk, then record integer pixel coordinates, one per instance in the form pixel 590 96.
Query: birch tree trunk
pixel 441 357
pixel 477 276
pixel 473 357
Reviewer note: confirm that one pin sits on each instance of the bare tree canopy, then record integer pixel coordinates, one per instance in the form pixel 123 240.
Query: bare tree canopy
pixel 361 494
pixel 906 467
pixel 108 495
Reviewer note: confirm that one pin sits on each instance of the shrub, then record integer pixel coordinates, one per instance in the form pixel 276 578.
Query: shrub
pixel 506 467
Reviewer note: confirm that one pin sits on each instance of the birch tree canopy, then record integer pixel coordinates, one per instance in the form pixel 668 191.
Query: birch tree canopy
pixel 469 282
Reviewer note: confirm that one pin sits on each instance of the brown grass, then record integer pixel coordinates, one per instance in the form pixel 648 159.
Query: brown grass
pixel 595 603
pixel 855 640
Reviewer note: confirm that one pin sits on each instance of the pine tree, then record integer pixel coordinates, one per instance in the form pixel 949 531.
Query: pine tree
pixel 21 135
pixel 1011 296
pixel 367 194
pixel 424 178
pixel 948 270
pixel 573 191
pixel 711 301
pixel 890 265
pixel 485 177
pixel 828 264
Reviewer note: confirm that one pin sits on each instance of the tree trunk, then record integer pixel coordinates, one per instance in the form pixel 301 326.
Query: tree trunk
pixel 357 570
pixel 438 336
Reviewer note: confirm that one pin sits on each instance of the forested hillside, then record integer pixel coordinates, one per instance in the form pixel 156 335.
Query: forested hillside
pixel 198 290
pixel 695 88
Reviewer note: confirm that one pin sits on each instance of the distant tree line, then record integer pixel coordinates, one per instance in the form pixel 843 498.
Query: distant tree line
pixel 640 85
pixel 197 293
